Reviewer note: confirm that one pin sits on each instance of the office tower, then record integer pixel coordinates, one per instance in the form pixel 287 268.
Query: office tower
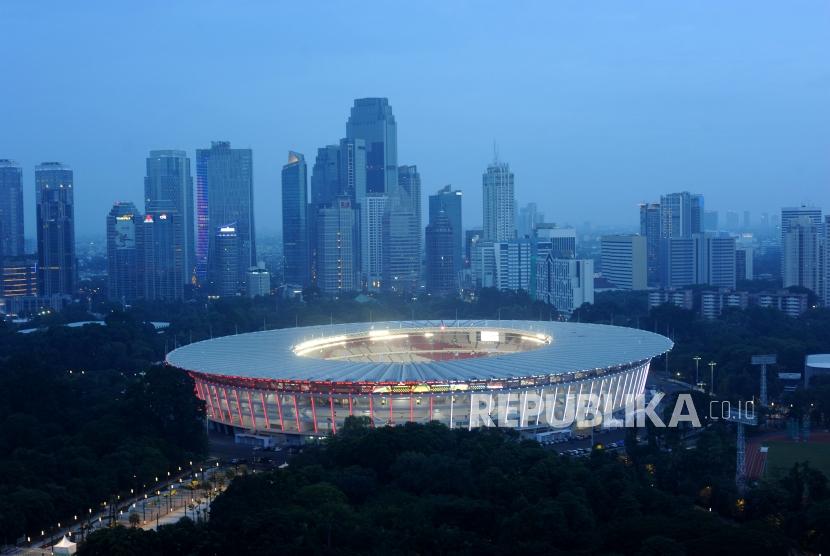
pixel 57 266
pixel 402 233
pixel 471 239
pixel 681 214
pixel 169 180
pixel 499 203
pixel 789 214
pixel 352 170
pixel 225 267
pixel 372 212
pixel 678 262
pixel 123 257
pixel 565 283
pixel 336 247
pixel 710 221
pixel 371 120
pixel 624 261
pixel 11 209
pixel 441 249
pixel 325 175
pixel 559 242
pixel 826 265
pixel 295 221
pixel 512 264
pixel 448 201
pixel 744 263
pixel 259 281
pixel 224 193
pixel 160 263
pixel 19 276
pixel 483 264
pixel 529 217
pixel 651 229
pixel 800 252
pixel 716 260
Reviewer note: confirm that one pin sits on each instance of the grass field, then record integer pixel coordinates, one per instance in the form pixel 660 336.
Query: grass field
pixel 783 455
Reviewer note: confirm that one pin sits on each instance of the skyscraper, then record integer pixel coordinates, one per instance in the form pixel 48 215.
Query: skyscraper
pixel 448 201
pixel 336 247
pixel 11 209
pixel 624 261
pixel 826 296
pixel 352 169
pixel 371 120
pixel 681 214
pixel 372 212
pixel 57 266
pixel 565 283
pixel 224 270
pixel 123 257
pixel 788 214
pixel 529 217
pixel 716 263
pixel 402 233
pixel 441 249
pixel 160 260
pixel 224 193
pixel 801 253
pixel 294 220
pixel 168 179
pixel 325 175
pixel 499 203
pixel 651 229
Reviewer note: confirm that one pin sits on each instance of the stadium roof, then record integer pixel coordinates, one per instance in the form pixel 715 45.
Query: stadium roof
pixel 269 354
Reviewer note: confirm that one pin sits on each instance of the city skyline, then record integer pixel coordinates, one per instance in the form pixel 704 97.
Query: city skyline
pixel 632 121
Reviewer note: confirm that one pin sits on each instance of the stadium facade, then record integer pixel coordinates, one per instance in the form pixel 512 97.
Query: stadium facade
pixel 306 381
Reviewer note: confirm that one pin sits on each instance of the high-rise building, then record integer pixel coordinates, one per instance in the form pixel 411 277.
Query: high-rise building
pixel 788 214
pixel 471 239
pixel 11 209
pixel 716 260
pixel 732 221
pixel 710 221
pixel 441 249
pixel 325 175
pixel 225 267
pixel 18 277
pixel 826 266
pixel 801 253
pixel 744 263
pixel 499 203
pixel 352 170
pixel 295 234
pixel 650 228
pixel 57 266
pixel 123 256
pixel 402 233
pixel 678 262
pixel 559 242
pixel 681 214
pixel 224 194
pixel 160 264
pixel 565 283
pixel 512 264
pixel 336 247
pixel 529 217
pixel 624 261
pixel 448 201
pixel 372 213
pixel 259 281
pixel 371 120
pixel 169 180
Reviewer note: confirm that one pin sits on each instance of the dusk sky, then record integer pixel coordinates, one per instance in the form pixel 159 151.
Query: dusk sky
pixel 596 105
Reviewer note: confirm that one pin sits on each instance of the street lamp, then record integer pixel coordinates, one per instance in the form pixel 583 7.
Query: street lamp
pixel 712 377
pixel 697 368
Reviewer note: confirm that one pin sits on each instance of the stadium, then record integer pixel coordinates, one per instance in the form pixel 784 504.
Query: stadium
pixel 306 381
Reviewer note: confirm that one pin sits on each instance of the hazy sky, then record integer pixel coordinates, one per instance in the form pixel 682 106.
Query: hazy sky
pixel 596 105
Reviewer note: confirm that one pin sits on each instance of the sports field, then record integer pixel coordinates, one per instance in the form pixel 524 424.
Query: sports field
pixel 783 455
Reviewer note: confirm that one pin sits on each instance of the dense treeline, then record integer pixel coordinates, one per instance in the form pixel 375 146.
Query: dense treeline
pixel 425 489
pixel 86 414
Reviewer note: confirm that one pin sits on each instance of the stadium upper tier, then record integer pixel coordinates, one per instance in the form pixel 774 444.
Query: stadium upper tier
pixel 420 351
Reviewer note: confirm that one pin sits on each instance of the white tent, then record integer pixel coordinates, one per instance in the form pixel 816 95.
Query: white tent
pixel 65 547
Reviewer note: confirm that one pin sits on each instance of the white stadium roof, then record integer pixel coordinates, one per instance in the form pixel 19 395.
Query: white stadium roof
pixel 269 354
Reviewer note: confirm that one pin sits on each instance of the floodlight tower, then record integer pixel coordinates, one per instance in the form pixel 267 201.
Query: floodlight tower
pixel 763 361
pixel 742 417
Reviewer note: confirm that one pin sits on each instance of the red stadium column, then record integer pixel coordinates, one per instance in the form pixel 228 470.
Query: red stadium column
pixel 265 410
pixel 333 424
pixel 297 413
pixel 371 411
pixel 391 417
pixel 238 407
pixel 251 408
pixel 279 409
pixel 430 406
pixel 351 412
pixel 313 412
pixel 218 403
pixel 411 409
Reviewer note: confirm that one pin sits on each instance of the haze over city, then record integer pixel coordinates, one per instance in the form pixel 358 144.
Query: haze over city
pixel 596 106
